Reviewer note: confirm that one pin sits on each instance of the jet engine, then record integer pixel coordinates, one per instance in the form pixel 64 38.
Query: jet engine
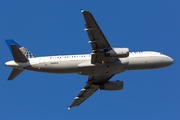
pixel 112 85
pixel 118 52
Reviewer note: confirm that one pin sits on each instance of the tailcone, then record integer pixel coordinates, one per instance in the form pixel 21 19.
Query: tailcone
pixel 11 64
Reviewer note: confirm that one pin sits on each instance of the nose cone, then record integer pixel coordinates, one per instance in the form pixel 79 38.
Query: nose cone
pixel 169 61
pixel 172 61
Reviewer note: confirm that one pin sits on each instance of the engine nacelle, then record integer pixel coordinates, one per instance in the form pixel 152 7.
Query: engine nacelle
pixel 112 85
pixel 118 52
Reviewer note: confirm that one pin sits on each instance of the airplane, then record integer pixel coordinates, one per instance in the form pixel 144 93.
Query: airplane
pixel 100 65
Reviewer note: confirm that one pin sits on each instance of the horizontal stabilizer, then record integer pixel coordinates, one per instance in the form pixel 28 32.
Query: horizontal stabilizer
pixel 15 72
pixel 17 54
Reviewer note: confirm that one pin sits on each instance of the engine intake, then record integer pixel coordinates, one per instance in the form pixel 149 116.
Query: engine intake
pixel 112 85
pixel 118 52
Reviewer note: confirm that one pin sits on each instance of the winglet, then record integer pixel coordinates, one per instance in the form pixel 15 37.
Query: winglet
pixel 82 10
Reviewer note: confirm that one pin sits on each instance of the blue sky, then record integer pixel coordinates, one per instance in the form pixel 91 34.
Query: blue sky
pixel 56 27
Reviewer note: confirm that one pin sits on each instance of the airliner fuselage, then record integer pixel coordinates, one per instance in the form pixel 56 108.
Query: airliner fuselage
pixel 81 64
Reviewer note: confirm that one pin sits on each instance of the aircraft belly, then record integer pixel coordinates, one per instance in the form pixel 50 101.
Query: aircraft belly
pixel 56 67
pixel 87 68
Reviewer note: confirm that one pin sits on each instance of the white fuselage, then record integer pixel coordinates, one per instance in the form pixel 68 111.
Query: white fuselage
pixel 81 64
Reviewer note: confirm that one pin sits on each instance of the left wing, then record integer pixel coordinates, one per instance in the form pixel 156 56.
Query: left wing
pixel 91 87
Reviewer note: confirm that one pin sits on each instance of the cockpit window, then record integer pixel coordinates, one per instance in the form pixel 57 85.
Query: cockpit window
pixel 161 53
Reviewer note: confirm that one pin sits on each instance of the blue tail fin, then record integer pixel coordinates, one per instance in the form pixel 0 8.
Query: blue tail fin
pixel 27 53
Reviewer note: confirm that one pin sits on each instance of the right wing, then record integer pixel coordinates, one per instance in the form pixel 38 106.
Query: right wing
pixel 91 87
pixel 97 39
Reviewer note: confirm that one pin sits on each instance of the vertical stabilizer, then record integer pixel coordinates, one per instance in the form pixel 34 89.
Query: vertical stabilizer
pixel 17 54
pixel 15 72
pixel 26 53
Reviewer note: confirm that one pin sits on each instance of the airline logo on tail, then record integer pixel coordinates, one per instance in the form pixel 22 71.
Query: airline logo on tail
pixel 26 53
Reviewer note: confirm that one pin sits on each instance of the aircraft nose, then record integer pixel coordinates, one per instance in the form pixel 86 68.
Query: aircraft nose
pixel 170 61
